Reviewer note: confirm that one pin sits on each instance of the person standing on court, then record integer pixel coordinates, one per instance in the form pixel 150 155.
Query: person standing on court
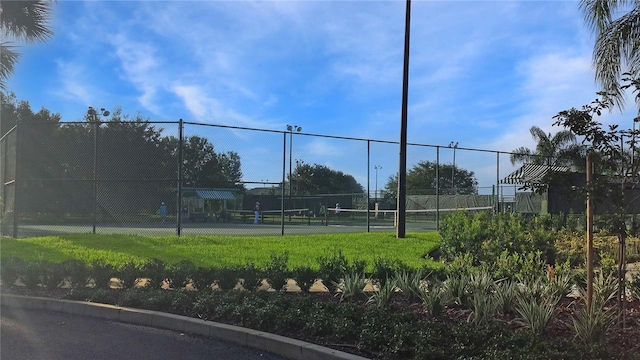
pixel 323 214
pixel 257 213
pixel 163 211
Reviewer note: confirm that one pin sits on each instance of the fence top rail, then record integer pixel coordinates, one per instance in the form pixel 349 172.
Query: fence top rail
pixel 177 122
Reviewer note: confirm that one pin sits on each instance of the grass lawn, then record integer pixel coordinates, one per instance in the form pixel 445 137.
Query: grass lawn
pixel 213 251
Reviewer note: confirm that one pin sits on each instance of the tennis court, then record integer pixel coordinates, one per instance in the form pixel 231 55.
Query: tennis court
pixel 270 223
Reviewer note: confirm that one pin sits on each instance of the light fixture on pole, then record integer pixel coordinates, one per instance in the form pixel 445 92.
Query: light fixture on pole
pixel 453 145
pixel 93 116
pixel 377 167
pixel 291 129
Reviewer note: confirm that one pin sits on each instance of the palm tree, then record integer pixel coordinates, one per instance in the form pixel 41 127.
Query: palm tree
pixel 617 41
pixel 25 21
pixel 558 149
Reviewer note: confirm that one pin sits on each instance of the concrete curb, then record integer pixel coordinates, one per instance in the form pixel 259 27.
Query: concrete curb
pixel 275 344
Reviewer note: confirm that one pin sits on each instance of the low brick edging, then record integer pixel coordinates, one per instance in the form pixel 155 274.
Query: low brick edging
pixel 279 345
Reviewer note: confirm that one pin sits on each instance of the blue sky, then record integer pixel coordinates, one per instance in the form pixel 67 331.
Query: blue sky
pixel 481 72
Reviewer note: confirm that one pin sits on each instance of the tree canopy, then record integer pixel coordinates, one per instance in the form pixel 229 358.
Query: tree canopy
pixel 24 21
pixel 616 24
pixel 130 158
pixel 319 179
pixel 560 148
pixel 422 180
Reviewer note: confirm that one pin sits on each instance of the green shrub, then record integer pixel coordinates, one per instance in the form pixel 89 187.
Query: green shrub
pixel 276 271
pixel 384 269
pixel 52 274
pixel 227 278
pixel 305 277
pixel 251 277
pixel 32 274
pixel 180 274
pixel 10 270
pixel 101 273
pixel 203 278
pixel 333 266
pixel 154 270
pixel 77 273
pixel 129 274
pixel 486 236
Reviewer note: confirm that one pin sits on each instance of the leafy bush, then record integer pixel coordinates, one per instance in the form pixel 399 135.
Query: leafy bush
pixel 10 270
pixel 251 277
pixel 129 274
pixel 101 273
pixel 227 278
pixel 203 278
pixel 179 275
pixel 52 274
pixel 486 236
pixel 32 274
pixel 77 273
pixel 276 271
pixel 333 266
pixel 385 269
pixel 305 277
pixel 155 272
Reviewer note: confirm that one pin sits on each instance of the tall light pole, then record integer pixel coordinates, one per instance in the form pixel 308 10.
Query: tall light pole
pixel 291 129
pixel 377 167
pixel 402 163
pixel 453 145
pixel 93 116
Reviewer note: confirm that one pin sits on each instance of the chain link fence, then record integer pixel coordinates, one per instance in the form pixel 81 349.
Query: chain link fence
pixel 175 177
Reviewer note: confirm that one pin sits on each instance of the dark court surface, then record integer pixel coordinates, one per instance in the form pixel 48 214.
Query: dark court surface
pixel 46 335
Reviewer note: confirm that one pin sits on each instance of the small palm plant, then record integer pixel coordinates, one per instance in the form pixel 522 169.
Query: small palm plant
pixel 592 324
pixel 457 288
pixel 384 295
pixel 433 297
pixel 506 297
pixel 352 285
pixel 535 314
pixel 410 283
pixel 634 286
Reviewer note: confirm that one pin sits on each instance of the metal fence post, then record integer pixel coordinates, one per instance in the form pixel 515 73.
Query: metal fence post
pixel 369 182
pixel 437 188
pixel 180 178
pixel 284 170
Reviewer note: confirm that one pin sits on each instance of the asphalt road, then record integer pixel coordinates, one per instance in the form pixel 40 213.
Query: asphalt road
pixel 46 335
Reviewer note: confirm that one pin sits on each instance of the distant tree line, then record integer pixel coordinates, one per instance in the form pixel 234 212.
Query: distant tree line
pixel 134 161
pixel 423 178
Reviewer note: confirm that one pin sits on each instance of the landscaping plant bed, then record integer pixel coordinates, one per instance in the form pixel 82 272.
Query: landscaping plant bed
pixel 402 330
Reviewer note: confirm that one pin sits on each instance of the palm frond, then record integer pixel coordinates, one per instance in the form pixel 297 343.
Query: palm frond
pixel 26 20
